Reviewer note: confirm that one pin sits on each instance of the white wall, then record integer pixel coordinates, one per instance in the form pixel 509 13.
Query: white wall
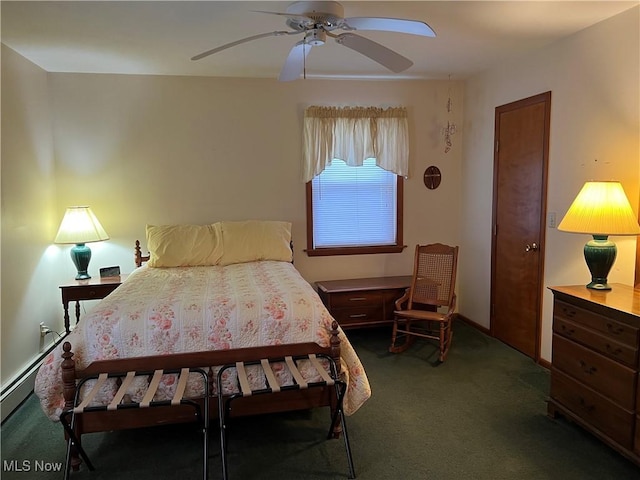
pixel 594 79
pixel 29 218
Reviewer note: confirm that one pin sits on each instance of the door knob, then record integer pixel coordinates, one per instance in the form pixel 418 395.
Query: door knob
pixel 533 246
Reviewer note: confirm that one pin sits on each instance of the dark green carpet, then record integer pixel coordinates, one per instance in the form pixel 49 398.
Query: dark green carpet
pixel 480 415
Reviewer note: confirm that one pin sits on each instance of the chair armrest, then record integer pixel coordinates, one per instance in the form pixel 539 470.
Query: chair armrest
pixel 404 298
pixel 452 307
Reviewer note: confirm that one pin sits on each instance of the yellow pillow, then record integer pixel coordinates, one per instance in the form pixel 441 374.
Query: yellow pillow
pixel 184 245
pixel 254 240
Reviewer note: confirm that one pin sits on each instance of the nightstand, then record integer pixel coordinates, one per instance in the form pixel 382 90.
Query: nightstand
pixel 91 289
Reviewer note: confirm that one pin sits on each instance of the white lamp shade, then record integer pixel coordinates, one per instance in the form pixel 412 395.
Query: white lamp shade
pixel 601 208
pixel 80 225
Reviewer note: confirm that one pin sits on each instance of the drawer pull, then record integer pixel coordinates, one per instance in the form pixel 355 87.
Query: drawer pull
pixel 358 315
pixel 357 299
pixel 568 331
pixel 569 313
pixel 588 371
pixel 613 351
pixel 585 405
pixel 614 329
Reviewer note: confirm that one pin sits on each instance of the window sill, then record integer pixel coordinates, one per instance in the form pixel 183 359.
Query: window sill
pixel 323 252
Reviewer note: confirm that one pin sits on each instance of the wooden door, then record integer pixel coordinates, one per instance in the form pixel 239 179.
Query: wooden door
pixel 519 211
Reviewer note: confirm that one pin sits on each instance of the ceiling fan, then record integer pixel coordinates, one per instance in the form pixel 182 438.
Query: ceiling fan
pixel 319 20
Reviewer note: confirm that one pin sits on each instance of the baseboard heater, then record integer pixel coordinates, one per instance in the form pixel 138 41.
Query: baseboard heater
pixel 21 386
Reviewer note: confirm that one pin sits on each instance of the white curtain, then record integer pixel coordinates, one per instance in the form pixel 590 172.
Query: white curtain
pixel 353 134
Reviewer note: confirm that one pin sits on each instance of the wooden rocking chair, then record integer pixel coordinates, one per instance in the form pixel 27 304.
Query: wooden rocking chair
pixel 432 289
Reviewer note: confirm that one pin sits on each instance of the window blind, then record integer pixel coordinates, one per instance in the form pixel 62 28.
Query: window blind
pixel 354 206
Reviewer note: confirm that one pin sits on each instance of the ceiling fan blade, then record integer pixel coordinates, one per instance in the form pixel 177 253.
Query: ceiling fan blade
pixel 294 65
pixel 376 52
pixel 243 40
pixel 399 25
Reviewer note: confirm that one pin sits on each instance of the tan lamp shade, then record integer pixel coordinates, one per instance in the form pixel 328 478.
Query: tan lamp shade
pixel 601 208
pixel 80 225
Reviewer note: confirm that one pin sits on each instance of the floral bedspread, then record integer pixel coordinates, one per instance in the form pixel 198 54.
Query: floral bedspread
pixel 186 309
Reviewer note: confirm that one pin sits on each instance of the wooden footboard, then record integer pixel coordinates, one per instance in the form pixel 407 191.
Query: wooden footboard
pixel 102 421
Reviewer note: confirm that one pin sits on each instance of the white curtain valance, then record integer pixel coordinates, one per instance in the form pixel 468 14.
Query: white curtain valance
pixel 353 134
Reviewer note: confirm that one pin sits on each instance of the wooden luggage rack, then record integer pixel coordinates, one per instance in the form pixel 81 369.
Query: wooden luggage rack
pixel 331 378
pixel 80 418
pixel 122 402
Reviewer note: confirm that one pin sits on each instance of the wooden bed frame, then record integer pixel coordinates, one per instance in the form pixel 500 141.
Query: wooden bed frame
pixel 102 421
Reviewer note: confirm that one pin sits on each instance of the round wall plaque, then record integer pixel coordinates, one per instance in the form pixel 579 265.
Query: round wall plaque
pixel 432 177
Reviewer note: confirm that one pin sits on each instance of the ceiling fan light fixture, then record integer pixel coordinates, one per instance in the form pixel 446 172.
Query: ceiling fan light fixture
pixel 316 37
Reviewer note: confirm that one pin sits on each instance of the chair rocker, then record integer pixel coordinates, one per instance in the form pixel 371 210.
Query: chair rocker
pixel 427 308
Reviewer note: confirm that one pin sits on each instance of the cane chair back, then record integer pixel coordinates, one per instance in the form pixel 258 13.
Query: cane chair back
pixel 427 308
pixel 434 275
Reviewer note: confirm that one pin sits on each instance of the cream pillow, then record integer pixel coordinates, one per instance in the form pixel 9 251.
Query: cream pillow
pixel 254 240
pixel 184 245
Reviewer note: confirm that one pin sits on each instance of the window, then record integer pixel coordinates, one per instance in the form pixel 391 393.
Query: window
pixel 354 209
pixel 354 161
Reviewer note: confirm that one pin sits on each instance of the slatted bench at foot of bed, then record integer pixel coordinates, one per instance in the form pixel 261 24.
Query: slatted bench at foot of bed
pixel 104 421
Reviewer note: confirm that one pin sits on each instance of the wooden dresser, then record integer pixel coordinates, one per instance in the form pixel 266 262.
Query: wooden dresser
pixel 595 366
pixel 363 302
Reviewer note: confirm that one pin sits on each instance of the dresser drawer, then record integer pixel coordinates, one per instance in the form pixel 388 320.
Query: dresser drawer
pixel 356 299
pixel 636 444
pixel 617 331
pixel 602 343
pixel 600 412
pixel 363 314
pixel 604 375
pixel 87 292
pixel 362 302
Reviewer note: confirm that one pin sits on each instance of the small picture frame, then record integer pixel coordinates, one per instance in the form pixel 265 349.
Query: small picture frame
pixel 109 272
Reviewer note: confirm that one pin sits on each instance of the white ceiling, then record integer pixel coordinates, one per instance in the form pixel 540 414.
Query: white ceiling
pixel 160 37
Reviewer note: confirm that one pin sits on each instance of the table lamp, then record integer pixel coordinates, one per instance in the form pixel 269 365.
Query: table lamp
pixel 600 209
pixel 79 225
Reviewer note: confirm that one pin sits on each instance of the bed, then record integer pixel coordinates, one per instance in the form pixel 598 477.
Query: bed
pixel 205 294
